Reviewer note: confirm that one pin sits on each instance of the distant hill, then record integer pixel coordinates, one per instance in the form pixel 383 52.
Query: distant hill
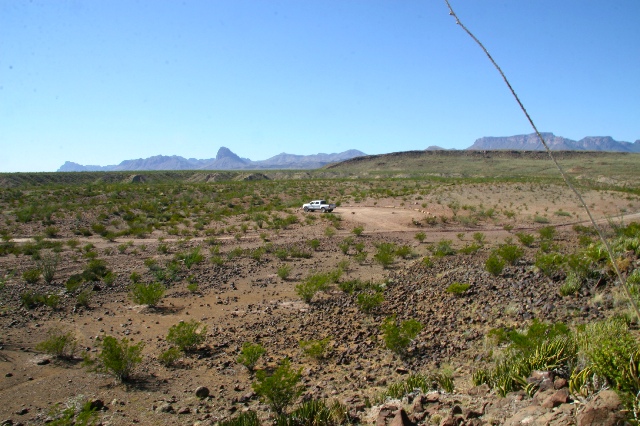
pixel 225 160
pixel 557 143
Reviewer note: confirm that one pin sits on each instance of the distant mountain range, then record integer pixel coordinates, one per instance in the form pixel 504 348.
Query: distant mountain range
pixel 225 160
pixel 556 143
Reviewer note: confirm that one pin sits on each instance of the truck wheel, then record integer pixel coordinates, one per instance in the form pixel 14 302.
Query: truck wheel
pixel 306 209
pixel 323 210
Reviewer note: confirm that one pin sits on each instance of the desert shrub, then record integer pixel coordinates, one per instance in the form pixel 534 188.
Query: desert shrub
pixel 59 344
pixel 315 348
pixel 420 236
pixel 315 412
pixel 368 302
pixel 73 283
pixel 187 336
pixel 31 299
pixel 282 253
pixel 360 257
pixel 398 337
pixel 311 285
pixel 540 219
pixel 118 357
pixel 284 271
pixel 32 276
pixel 245 418
pixel 250 354
pixel 84 297
pixel 49 265
pixel 511 253
pixel 427 262
pixel 170 356
pixel 386 254
pixel 549 263
pixel 95 270
pixel 147 294
pixel 330 231
pixel 280 389
pixel 547 233
pixel 470 248
pixel 135 277
pixel 494 264
pixel 457 288
pixel 479 237
pixel 571 285
pixel 358 230
pixel 404 252
pixel 77 414
pixel 443 248
pixel 353 286
pixel 190 258
pixel 345 245
pixel 314 244
pixel 525 239
pixel 298 253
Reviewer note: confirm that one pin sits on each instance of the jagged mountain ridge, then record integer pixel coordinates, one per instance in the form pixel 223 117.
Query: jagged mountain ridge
pixel 531 142
pixel 224 160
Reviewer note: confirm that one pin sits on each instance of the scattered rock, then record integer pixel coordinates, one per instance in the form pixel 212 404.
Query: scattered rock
pixel 605 409
pixel 202 392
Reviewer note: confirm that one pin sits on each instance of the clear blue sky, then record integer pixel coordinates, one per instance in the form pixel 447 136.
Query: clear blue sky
pixel 98 82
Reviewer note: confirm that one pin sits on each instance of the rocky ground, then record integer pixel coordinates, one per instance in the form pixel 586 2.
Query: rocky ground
pixel 244 300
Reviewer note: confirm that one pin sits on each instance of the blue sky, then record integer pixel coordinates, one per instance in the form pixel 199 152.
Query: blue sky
pixel 98 82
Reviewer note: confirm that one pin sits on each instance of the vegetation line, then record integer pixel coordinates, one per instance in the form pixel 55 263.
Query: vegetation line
pixel 549 152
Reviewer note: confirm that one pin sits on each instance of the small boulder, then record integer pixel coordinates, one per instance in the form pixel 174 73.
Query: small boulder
pixel 603 410
pixel 202 392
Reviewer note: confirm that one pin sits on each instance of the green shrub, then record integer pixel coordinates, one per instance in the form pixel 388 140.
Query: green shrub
pixel 170 356
pixel 314 244
pixel 427 262
pixel 353 286
pixel 49 265
pixel 250 354
pixel 32 276
pixel 245 418
pixel 525 239
pixel 458 289
pixel 470 248
pixel 345 245
pixel 84 297
pixel 420 236
pixel 404 252
pixel 540 219
pixel 187 336
pixel 358 230
pixel 443 248
pixel 397 338
pixel 118 358
pixel 511 253
pixel 284 271
pixel 59 344
pixel 572 284
pixel 494 264
pixel 73 283
pixel 311 285
pixel 77 414
pixel 385 255
pixel 315 412
pixel 315 348
pixel 547 233
pixel 549 263
pixel 147 294
pixel 479 237
pixel 30 299
pixel 368 302
pixel 190 258
pixel 280 389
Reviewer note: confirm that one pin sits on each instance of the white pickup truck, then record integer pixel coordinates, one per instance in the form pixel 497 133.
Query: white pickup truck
pixel 321 205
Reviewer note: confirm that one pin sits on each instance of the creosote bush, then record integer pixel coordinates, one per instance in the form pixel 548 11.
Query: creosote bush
pixel 147 294
pixel 316 349
pixel 118 358
pixel 313 284
pixel 250 354
pixel 280 389
pixel 59 344
pixel 398 337
pixel 457 288
pixel 494 264
pixel 187 336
